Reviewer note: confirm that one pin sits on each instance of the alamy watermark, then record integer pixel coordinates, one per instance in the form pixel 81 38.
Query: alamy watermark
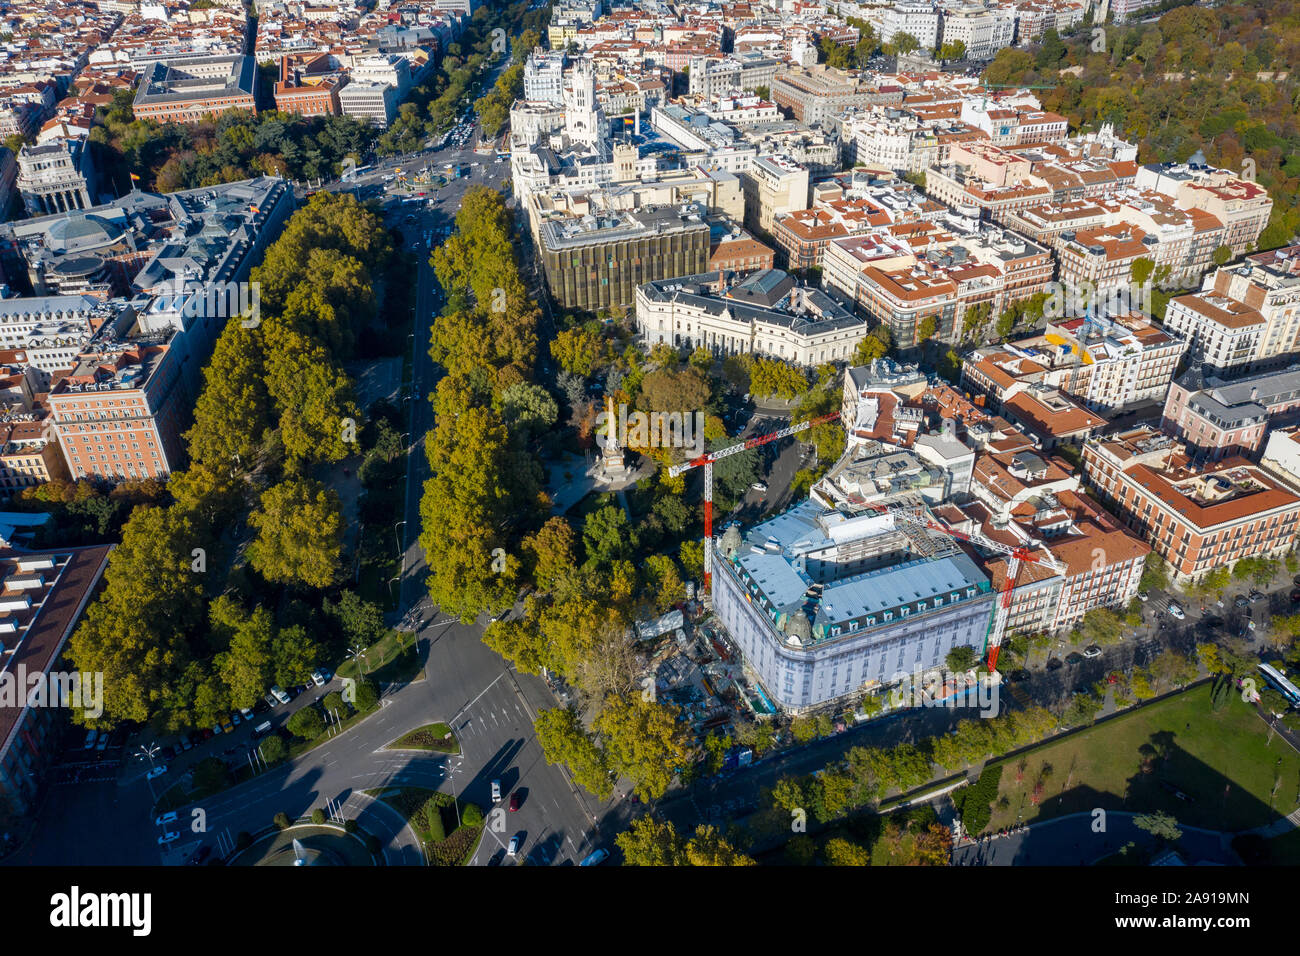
pixel 83 691
pixel 945 689
pixel 1078 300
pixel 653 429
pixel 224 300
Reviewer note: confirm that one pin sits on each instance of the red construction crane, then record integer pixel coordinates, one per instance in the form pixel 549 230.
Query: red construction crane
pixel 706 461
pixel 1016 555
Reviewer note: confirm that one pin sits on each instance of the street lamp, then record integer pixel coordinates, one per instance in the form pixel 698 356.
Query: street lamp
pixel 357 653
pixel 451 778
pixel 148 750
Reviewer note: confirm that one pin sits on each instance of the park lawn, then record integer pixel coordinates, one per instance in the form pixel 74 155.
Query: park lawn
pixel 388 661
pixel 1222 760
pixel 436 737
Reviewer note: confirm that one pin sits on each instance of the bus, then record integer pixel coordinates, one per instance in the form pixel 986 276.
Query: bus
pixel 1280 683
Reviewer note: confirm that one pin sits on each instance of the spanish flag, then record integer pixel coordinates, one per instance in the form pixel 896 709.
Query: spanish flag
pixel 254 208
pixel 135 178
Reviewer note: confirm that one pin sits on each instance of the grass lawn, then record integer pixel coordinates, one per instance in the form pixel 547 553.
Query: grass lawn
pixel 429 737
pixel 1222 761
pixel 386 661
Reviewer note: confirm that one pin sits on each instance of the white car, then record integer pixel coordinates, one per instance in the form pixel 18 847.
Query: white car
pixel 513 848
pixel 320 677
pixel 156 772
pixel 1176 611
pixel 168 837
pixel 278 693
pixel 1092 651
pixel 759 486
pixel 496 791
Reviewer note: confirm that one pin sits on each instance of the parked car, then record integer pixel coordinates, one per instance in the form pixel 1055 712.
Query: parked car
pixel 496 791
pixel 1092 651
pixel 186 744
pixel 1256 596
pixel 163 819
pixel 168 837
pixel 206 733
pixel 320 677
pixel 595 859
pixel 246 713
pixel 1016 676
pixel 760 486
pixel 156 772
pixel 1143 596
pixel 234 718
pixel 513 847
pixel 280 696
pixel 91 737
pixel 1055 664
pixel 1240 600
pixel 515 801
pixel 103 742
pixel 1073 658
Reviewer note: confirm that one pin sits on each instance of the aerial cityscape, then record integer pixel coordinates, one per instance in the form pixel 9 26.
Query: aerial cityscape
pixel 639 433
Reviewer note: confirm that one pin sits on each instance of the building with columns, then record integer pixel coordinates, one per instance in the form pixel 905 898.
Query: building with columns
pixel 55 177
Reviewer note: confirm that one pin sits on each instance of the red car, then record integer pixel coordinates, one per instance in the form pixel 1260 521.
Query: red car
pixel 514 801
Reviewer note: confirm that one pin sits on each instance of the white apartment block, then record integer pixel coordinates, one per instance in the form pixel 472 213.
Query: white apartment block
pixel 544 77
pixel 1246 316
pixel 921 20
pixel 984 31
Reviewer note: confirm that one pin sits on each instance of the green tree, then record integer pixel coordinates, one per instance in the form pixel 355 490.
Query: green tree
pixel 367 696
pixel 962 658
pixel 272 750
pixel 300 534
pixel 231 412
pixel 643 742
pixel 708 847
pixel 1140 270
pixel 563 740
pixel 306 723
pixel 841 852
pixel 874 345
pixel 293 655
pixel 650 842
pixel 607 536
